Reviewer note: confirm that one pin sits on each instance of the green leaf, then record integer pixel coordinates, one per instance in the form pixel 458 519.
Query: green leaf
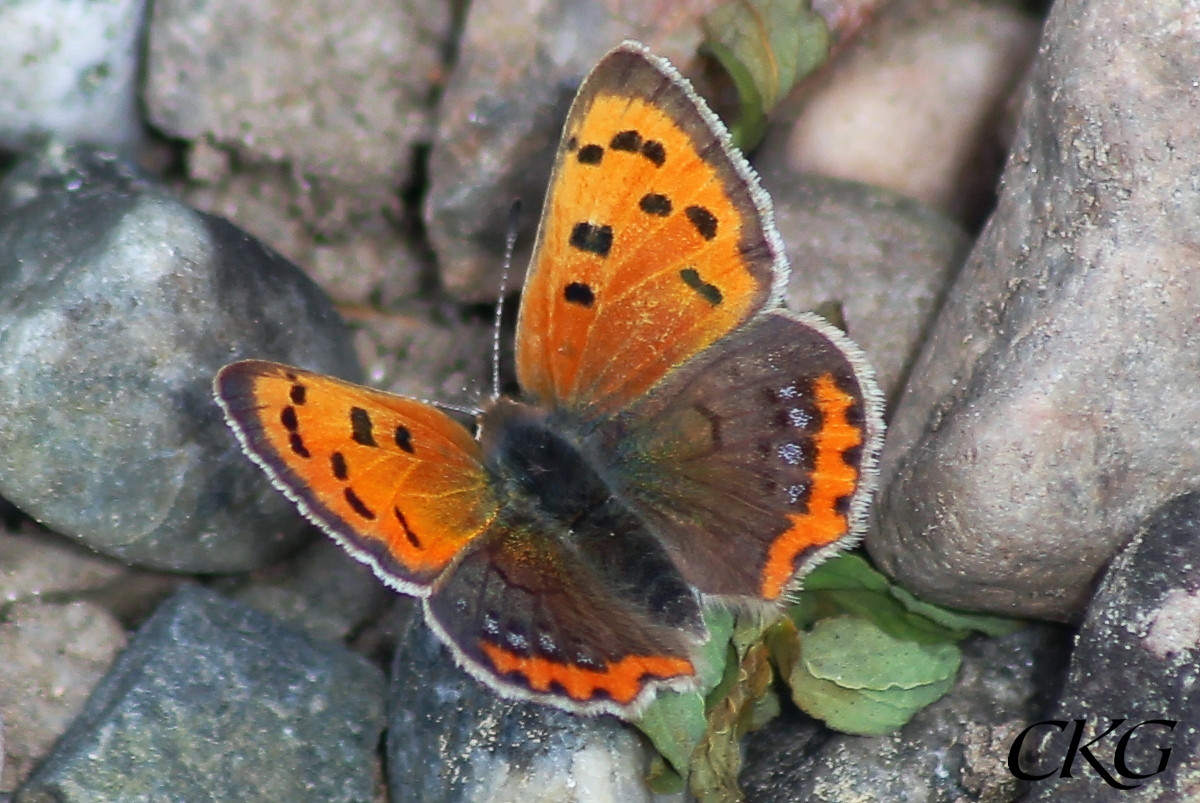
pixel 846 572
pixel 766 46
pixel 855 654
pixel 957 620
pixel 675 721
pixel 845 710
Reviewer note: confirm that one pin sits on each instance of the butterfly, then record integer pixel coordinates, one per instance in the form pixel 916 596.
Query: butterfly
pixel 680 439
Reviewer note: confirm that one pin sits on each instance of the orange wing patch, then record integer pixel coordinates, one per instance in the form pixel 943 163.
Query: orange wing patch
pixel 832 479
pixel 655 242
pixel 621 680
pixel 398 482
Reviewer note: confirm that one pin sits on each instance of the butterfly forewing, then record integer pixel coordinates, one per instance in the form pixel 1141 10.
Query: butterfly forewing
pixel 400 483
pixel 655 241
pixel 755 460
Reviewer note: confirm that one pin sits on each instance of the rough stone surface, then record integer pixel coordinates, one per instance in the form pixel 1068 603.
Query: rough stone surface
pixel 360 257
pixel 502 113
pixel 951 752
pixel 886 259
pixel 1045 416
pixel 451 739
pixel 69 69
pixel 117 307
pixel 427 356
pixel 322 591
pixel 53 654
pixel 34 565
pixel 214 701
pixel 915 105
pixel 340 91
pixel 1136 658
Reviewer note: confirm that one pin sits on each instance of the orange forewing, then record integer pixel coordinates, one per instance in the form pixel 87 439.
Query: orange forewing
pixel 399 482
pixel 655 242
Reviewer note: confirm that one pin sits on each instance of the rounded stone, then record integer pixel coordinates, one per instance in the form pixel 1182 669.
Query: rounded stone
pixel 118 304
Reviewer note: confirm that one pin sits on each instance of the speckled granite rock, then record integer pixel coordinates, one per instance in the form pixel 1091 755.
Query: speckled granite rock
pixel 214 701
pixel 951 752
pixel 70 70
pixel 117 307
pixel 1045 416
pixel 453 740
pixel 1136 658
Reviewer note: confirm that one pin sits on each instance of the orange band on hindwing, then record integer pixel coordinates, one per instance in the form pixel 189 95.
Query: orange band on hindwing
pixel 622 680
pixel 833 479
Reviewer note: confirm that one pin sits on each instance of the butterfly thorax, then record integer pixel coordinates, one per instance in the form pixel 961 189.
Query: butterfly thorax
pixel 549 486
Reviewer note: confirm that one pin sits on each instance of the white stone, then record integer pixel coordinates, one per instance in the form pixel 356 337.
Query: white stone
pixel 69 69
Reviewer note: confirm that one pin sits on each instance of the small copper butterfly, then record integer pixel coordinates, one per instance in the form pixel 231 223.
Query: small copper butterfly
pixel 680 439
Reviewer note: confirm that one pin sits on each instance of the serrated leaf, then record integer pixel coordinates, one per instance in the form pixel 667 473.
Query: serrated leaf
pixel 766 46
pixel 855 654
pixel 957 620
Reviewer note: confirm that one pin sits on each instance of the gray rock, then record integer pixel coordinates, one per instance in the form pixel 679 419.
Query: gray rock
pixel 951 751
pixel 69 70
pixel 117 307
pixel 1044 418
pixel 213 701
pixel 500 119
pixel 54 654
pixel 886 259
pixel 1135 658
pixel 453 740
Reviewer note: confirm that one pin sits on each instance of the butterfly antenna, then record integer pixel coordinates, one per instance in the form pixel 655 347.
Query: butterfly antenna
pixel 510 242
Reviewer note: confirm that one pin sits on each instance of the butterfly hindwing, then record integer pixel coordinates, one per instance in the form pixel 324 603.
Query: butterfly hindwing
pixel 524 614
pixel 655 241
pixel 755 460
pixel 399 483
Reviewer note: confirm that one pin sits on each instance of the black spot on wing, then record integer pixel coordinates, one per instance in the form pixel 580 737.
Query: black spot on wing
pixel 358 505
pixel 287 417
pixel 630 141
pixel 404 438
pixel 704 221
pixel 297 444
pixel 590 155
pixel 655 152
pixel 592 238
pixel 298 393
pixel 361 426
pixel 655 204
pixel 579 293
pixel 709 292
pixel 338 464
pixel 408 533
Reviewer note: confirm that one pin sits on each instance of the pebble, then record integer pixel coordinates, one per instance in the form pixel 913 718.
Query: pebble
pixel 118 304
pixel 215 701
pixel 69 71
